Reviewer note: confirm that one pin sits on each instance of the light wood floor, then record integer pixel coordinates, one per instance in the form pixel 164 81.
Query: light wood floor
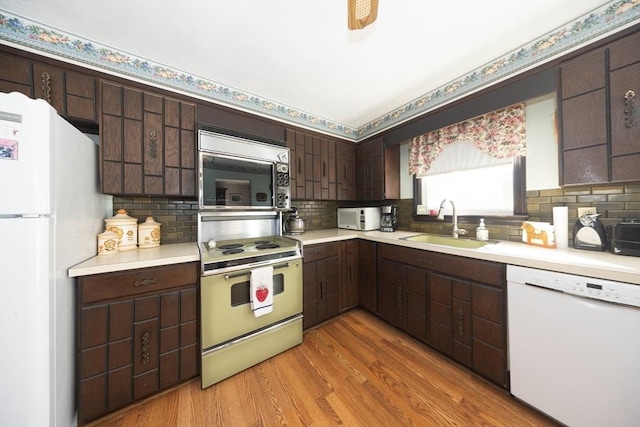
pixel 354 370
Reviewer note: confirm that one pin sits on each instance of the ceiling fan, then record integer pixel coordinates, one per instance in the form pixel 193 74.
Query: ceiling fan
pixel 361 13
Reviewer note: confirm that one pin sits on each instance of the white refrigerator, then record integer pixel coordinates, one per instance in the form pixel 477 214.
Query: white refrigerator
pixel 50 213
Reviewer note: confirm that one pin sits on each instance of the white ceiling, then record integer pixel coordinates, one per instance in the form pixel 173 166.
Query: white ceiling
pixel 299 53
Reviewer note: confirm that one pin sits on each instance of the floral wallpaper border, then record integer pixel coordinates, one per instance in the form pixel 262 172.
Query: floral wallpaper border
pixel 606 19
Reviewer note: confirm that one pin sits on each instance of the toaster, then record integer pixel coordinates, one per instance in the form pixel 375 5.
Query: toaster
pixel 625 238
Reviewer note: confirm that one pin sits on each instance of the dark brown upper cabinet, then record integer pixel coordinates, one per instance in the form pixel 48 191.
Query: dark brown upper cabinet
pixel 600 125
pixel 73 95
pixel 147 143
pixel 378 171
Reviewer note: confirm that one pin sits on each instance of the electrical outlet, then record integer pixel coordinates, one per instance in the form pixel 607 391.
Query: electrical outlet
pixel 586 211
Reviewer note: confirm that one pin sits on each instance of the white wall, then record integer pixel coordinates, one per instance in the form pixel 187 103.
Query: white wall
pixel 542 143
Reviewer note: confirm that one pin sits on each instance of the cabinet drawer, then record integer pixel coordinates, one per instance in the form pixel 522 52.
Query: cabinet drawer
pixel 136 282
pixel 321 251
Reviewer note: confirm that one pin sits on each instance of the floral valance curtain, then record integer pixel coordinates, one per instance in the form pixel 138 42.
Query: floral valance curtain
pixel 500 134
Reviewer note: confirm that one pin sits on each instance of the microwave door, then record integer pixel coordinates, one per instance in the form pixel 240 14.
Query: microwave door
pixel 228 182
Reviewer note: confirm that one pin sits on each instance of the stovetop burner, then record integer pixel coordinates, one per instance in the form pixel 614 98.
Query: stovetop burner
pixel 232 251
pixel 267 246
pixel 231 246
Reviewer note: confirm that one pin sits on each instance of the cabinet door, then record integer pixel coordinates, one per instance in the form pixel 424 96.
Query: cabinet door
pixel 462 325
pixel 331 170
pixel 417 303
pixel 311 294
pixel 584 74
pixel 625 122
pixel 15 75
pixel 293 162
pixel 440 313
pixel 346 171
pixel 349 297
pixel 377 170
pixel 367 275
pixel 387 290
pixel 301 167
pixel 329 280
pixel 392 297
pixel 489 348
pixel 188 183
pixel 80 97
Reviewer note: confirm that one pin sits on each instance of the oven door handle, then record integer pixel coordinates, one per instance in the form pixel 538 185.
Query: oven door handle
pixel 245 273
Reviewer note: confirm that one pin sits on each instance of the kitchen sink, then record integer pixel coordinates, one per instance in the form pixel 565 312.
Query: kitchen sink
pixel 461 242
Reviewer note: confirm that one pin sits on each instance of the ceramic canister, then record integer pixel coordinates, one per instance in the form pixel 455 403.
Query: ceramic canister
pixel 126 228
pixel 107 243
pixel 149 233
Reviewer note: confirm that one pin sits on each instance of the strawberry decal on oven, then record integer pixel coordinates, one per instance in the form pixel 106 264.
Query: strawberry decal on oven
pixel 262 292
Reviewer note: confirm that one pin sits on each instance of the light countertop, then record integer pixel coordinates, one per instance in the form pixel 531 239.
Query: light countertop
pixel 137 258
pixel 602 265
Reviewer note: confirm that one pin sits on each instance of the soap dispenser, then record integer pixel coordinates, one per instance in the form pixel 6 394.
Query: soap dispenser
pixel 482 232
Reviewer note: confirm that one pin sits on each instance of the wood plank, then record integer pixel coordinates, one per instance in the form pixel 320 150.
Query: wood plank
pixel 353 370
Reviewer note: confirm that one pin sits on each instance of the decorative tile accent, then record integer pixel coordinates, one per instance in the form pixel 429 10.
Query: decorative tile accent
pixel 606 19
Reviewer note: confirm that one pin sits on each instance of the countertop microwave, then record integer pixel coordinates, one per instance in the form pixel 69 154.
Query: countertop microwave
pixel 363 219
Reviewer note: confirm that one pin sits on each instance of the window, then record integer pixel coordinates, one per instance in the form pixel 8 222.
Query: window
pixel 478 164
pixel 477 183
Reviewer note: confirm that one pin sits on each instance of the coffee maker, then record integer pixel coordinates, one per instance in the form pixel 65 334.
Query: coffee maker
pixel 388 219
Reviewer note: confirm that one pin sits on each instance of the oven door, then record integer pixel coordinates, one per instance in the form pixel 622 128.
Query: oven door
pixel 226 309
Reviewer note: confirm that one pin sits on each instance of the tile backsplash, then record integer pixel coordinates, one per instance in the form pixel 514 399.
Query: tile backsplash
pixel 613 202
pixel 178 219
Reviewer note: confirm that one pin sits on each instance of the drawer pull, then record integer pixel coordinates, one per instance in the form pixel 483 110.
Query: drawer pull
pixel 46 87
pixel 145 282
pixel 630 109
pixel 153 145
pixel 426 261
pixel 145 357
pixel 460 323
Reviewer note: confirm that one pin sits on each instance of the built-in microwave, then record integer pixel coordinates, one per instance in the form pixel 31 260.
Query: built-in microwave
pixel 239 174
pixel 359 218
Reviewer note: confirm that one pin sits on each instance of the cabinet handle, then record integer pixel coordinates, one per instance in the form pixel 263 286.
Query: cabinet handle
pixel 344 172
pixel 153 145
pixel 321 291
pixel 399 297
pixel 46 87
pixel 460 322
pixel 145 282
pixel 299 166
pixel 324 168
pixel 350 274
pixel 630 109
pixel 426 261
pixel 145 348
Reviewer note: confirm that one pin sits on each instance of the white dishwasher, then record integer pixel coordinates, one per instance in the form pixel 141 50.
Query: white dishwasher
pixel 574 347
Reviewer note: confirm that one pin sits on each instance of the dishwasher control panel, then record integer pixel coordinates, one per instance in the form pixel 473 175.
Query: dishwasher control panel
pixel 587 287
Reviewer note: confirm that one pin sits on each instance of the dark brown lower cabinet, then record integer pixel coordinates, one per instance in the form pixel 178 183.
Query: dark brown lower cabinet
pixel 402 299
pixel 454 304
pixel 321 277
pixel 137 335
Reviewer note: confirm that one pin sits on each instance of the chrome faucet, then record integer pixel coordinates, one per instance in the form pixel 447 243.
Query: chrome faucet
pixel 455 231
